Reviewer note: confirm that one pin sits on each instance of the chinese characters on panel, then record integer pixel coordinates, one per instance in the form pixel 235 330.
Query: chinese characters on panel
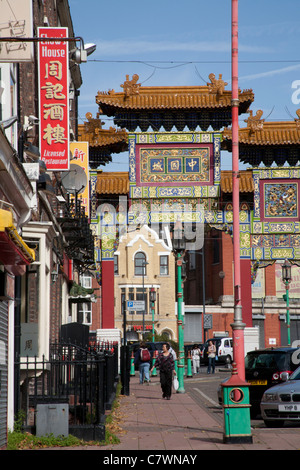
pixel 54 98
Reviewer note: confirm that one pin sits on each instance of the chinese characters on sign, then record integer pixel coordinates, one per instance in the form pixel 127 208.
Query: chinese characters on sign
pixel 54 98
pixel 80 157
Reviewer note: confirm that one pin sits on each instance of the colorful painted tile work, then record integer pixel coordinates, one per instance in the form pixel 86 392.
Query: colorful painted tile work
pixel 176 164
pixel 281 200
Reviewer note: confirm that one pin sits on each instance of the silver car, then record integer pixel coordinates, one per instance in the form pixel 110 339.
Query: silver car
pixel 282 402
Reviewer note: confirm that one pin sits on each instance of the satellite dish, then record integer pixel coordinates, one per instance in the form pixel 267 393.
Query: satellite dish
pixel 74 180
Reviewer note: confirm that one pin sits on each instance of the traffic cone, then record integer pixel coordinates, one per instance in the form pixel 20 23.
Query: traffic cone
pixel 132 369
pixel 154 372
pixel 189 365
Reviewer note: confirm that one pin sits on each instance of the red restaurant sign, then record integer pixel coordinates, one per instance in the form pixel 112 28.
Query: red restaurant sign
pixel 54 98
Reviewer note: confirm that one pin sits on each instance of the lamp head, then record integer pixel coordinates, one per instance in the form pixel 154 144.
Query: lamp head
pixel 90 48
pixel 286 271
pixel 178 240
pixel 152 295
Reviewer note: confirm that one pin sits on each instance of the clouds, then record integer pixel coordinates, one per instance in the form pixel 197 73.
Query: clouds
pixel 270 73
pixel 132 47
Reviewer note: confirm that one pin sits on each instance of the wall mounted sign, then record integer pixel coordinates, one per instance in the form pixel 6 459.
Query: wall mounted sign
pixel 53 60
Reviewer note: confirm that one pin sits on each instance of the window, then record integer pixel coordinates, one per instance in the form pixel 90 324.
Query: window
pixel 116 264
pixel 140 264
pixel 131 293
pixel 84 313
pixel 86 281
pixel 142 294
pixel 163 265
pixel 123 299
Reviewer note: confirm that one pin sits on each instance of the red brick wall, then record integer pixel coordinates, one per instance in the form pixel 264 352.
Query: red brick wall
pixel 96 308
pixel 270 280
pixel 28 81
pixel 108 297
pixel 221 322
pixel 272 329
pixel 55 309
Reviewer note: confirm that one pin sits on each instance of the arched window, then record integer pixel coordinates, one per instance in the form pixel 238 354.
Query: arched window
pixel 140 264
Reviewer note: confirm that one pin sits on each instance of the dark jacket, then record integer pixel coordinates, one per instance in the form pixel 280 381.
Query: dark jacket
pixel 165 363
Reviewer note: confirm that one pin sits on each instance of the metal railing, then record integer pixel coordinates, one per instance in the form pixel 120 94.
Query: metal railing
pixel 86 379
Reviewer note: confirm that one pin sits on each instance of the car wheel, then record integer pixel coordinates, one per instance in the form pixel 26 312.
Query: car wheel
pixel 273 424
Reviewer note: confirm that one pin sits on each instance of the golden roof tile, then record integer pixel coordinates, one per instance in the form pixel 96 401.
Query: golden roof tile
pixel 91 131
pixel 112 183
pixel 246 184
pixel 261 133
pixel 136 97
pixel 118 182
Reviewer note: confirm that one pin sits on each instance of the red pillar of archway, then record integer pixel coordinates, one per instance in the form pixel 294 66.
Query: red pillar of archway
pixel 246 292
pixel 108 300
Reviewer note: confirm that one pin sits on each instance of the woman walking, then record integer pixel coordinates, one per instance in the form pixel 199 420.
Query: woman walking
pixel 166 366
pixel 211 351
pixel 196 353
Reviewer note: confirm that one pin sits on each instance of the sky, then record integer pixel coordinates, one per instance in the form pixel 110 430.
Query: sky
pixel 171 43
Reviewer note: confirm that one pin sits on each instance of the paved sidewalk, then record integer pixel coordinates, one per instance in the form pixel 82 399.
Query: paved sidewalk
pixel 151 423
pixel 156 426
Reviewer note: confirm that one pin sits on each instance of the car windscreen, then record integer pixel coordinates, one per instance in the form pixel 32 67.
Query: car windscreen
pixel 270 360
pixel 295 375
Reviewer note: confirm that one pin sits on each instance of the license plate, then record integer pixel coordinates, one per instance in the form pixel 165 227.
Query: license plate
pixel 290 407
pixel 257 382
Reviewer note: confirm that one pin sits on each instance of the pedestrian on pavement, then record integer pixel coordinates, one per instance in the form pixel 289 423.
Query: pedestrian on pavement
pixel 165 363
pixel 211 351
pixel 171 351
pixel 142 359
pixel 196 353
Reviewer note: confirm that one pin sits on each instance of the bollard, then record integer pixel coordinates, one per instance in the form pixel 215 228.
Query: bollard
pixel 132 368
pixel 155 354
pixel 236 407
pixel 189 365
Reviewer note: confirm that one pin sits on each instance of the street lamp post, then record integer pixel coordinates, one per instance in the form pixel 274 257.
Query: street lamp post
pixel 179 246
pixel 287 277
pixel 152 300
pixel 237 425
pixel 144 264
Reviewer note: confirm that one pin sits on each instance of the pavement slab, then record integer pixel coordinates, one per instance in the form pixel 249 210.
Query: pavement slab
pixel 179 426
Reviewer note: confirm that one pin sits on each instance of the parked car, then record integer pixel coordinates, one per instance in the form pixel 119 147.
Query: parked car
pixel 223 347
pixel 281 402
pixel 265 368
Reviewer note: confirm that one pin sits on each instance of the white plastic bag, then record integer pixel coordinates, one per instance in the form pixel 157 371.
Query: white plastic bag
pixel 175 383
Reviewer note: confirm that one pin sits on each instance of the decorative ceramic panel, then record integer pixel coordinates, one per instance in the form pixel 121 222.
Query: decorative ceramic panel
pixel 272 253
pixel 168 164
pixel 276 194
pixel 174 165
pixel 280 200
pixel 276 240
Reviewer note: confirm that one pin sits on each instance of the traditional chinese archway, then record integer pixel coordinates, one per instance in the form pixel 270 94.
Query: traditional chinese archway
pixel 173 166
pixel 174 169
